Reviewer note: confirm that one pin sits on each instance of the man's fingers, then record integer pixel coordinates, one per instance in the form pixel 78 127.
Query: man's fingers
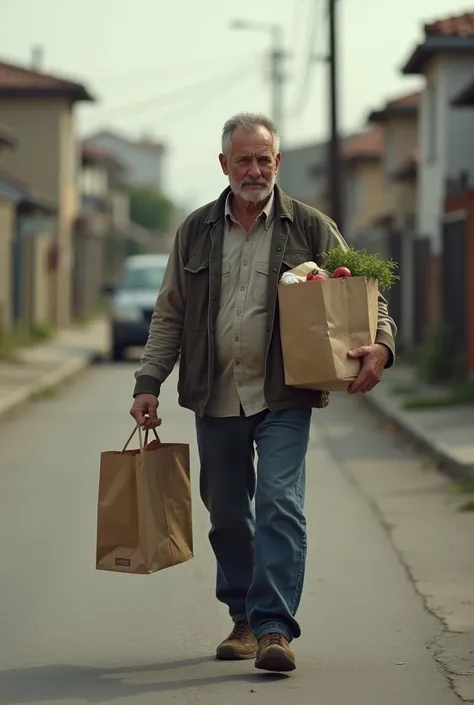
pixel 359 352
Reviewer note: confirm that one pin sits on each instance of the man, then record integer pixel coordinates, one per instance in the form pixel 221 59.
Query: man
pixel 217 311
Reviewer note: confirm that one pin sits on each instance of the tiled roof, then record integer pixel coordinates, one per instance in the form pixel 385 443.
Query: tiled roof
pixel 405 105
pixel 18 80
pixel 367 145
pixel 456 26
pixel 92 152
pixel 410 100
pixel 446 35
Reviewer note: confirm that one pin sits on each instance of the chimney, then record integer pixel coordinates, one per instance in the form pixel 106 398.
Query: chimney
pixel 37 58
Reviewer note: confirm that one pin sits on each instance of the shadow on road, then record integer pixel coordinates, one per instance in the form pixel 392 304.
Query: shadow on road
pixel 60 683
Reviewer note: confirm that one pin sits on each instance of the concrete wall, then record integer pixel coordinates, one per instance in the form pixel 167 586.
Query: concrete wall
pixel 295 175
pixel 47 159
pixel 144 166
pixel 446 139
pixel 7 224
pixel 366 196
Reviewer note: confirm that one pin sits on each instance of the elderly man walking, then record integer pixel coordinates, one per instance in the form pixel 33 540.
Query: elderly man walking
pixel 217 311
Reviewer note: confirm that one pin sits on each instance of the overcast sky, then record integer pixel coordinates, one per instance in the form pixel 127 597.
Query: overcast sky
pixel 176 71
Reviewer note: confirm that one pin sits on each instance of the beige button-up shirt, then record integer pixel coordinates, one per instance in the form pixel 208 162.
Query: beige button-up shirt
pixel 240 326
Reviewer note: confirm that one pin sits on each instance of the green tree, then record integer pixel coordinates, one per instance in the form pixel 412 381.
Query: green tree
pixel 150 209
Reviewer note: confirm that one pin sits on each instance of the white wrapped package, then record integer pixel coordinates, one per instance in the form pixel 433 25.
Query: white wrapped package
pixel 289 278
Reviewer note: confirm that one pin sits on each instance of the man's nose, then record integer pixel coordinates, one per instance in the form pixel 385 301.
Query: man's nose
pixel 254 170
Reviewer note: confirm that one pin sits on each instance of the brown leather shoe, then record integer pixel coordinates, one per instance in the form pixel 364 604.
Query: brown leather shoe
pixel 274 654
pixel 240 644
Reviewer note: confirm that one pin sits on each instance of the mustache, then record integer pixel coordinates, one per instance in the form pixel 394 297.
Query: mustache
pixel 254 182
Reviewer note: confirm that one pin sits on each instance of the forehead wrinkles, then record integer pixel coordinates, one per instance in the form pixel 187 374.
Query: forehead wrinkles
pixel 254 152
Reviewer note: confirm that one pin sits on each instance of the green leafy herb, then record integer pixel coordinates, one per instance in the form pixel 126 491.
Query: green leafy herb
pixel 361 264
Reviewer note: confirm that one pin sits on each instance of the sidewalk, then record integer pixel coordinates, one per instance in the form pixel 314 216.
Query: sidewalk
pixel 33 371
pixel 445 433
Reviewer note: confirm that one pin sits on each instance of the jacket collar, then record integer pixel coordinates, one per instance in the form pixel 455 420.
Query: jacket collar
pixel 283 206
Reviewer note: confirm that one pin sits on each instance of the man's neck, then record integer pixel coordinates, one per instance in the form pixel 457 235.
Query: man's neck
pixel 245 211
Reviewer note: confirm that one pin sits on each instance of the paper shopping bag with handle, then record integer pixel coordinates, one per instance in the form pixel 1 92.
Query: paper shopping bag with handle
pixel 144 511
pixel 320 321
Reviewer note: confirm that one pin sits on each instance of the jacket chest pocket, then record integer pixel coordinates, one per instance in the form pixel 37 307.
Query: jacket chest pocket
pixel 197 296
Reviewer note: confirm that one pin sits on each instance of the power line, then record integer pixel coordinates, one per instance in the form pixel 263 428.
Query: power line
pixel 168 69
pixel 303 95
pixel 194 102
pixel 163 100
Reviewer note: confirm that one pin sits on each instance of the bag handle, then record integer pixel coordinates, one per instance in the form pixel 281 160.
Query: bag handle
pixel 140 438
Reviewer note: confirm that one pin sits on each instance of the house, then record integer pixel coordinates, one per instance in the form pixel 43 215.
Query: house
pixel 99 175
pixel 143 160
pixel 459 214
pixel 26 231
pixel 365 203
pixel 303 174
pixel 445 58
pixel 399 119
pixel 40 107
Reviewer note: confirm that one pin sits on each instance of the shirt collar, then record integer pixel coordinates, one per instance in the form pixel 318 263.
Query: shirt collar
pixel 268 213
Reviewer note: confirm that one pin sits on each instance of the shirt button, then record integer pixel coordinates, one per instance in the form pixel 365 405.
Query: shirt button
pixel 242 288
pixel 245 263
pixel 239 384
pixel 239 312
pixel 278 249
pixel 237 362
pixel 275 270
pixel 236 338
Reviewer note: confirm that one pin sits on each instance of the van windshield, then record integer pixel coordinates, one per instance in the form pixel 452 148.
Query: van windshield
pixel 142 278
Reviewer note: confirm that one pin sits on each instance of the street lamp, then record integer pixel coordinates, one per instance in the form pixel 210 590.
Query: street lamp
pixel 277 55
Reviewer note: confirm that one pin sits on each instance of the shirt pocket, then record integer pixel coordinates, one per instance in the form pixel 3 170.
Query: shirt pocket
pixel 225 284
pixel 260 284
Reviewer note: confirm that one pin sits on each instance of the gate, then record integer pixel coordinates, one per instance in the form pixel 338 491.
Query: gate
pixel 454 284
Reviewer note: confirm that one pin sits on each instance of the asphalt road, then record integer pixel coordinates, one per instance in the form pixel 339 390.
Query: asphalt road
pixel 70 635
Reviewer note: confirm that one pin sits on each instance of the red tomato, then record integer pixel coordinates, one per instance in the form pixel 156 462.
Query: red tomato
pixel 341 272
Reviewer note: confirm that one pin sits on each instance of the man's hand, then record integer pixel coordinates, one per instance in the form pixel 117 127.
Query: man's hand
pixel 145 411
pixel 374 358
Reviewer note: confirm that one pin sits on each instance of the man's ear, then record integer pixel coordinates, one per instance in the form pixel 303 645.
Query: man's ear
pixel 223 163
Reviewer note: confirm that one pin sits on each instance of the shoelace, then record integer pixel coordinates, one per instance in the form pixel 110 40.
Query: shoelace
pixel 274 639
pixel 240 631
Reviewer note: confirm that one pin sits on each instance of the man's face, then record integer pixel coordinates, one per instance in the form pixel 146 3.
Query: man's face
pixel 251 164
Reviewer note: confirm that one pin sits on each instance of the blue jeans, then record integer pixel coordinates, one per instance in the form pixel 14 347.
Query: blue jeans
pixel 258 528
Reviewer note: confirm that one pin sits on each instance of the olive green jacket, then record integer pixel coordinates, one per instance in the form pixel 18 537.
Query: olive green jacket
pixel 183 324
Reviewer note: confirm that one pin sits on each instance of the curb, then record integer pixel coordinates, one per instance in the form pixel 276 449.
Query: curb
pixel 67 371
pixel 446 462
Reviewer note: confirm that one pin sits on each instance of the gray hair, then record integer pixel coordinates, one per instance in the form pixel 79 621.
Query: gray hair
pixel 249 122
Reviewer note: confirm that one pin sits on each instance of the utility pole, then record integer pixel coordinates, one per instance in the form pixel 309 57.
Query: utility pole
pixel 335 172
pixel 277 57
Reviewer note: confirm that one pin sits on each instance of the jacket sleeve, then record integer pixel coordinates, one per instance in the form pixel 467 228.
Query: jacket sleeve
pixel 386 329
pixel 164 338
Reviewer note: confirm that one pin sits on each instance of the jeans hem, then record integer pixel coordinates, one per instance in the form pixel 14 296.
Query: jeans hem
pixel 272 628
pixel 239 617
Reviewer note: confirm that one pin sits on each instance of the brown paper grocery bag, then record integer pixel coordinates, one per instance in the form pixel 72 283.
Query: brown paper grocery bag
pixel 144 519
pixel 320 321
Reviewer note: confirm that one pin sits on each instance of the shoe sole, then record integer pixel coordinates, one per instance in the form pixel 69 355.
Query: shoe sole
pixel 228 654
pixel 276 661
